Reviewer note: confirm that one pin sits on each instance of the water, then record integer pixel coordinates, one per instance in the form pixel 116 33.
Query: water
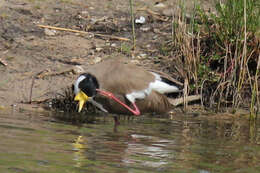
pixel 32 143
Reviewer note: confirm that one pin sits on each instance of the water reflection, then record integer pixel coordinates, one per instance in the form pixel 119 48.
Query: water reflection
pixel 79 147
pixel 149 147
pixel 30 143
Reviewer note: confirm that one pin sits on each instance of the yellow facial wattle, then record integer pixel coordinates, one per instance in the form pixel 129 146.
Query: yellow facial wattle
pixel 82 98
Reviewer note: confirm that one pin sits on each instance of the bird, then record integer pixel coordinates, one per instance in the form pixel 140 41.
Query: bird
pixel 116 87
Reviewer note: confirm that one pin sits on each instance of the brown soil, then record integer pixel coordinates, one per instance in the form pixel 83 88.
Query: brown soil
pixel 28 51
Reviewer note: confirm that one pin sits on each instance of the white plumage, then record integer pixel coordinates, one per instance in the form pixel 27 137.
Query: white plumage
pixel 158 85
pixel 76 84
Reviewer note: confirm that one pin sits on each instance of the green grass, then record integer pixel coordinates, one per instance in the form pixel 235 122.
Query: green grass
pixel 219 49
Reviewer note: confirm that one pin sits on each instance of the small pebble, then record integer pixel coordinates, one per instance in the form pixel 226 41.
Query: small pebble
pixel 49 32
pixel 113 45
pixel 98 49
pixel 141 20
pixel 159 5
pixel 145 29
pixel 97 60
pixel 78 69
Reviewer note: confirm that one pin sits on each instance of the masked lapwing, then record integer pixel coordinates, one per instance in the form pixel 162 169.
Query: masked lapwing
pixel 120 88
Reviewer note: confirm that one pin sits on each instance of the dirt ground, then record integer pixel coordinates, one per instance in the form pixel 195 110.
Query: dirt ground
pixel 36 63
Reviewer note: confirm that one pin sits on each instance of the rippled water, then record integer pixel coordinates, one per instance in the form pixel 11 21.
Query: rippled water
pixel 32 143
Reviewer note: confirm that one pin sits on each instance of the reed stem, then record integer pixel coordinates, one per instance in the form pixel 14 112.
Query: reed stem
pixel 133 23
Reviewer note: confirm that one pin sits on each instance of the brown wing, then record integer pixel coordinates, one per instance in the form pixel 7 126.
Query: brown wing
pixel 155 102
pixel 120 78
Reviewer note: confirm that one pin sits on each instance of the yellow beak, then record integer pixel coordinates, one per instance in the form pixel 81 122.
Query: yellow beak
pixel 82 98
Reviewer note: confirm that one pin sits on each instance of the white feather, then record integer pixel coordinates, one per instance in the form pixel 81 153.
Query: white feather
pixel 76 84
pixel 158 85
pixel 136 95
pixel 163 87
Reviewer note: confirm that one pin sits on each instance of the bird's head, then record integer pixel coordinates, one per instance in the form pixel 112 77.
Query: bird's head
pixel 84 88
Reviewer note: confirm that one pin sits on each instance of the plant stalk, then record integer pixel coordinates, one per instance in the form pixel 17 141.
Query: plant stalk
pixel 133 23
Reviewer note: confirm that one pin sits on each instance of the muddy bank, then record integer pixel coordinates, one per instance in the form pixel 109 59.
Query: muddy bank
pixel 37 63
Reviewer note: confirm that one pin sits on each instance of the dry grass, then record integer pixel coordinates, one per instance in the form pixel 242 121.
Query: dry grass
pixel 219 55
